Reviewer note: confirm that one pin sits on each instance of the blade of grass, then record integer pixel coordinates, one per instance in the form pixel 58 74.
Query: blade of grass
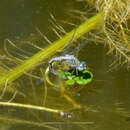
pixel 90 24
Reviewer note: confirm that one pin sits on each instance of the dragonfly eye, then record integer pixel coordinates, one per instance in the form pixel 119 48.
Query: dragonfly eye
pixel 82 66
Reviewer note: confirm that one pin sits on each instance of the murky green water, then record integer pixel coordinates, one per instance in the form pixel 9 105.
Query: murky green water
pixel 107 97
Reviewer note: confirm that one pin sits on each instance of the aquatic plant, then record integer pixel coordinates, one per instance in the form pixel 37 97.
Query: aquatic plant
pixel 116 29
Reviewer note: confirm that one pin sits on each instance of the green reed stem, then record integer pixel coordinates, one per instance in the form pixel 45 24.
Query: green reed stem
pixel 60 44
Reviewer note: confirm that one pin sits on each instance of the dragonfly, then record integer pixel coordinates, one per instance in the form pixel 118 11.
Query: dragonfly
pixel 68 61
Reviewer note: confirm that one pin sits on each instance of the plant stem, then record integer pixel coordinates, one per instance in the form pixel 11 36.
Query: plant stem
pixel 60 44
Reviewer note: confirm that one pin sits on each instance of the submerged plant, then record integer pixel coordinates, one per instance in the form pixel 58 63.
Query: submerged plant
pixel 116 29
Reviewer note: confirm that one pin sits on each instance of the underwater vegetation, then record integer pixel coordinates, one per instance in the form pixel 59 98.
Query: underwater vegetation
pixel 116 29
pixel 32 80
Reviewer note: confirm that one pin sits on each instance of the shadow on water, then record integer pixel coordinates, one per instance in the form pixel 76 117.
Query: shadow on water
pixel 107 96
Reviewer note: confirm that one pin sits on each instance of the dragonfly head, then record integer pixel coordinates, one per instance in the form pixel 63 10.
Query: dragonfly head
pixel 82 66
